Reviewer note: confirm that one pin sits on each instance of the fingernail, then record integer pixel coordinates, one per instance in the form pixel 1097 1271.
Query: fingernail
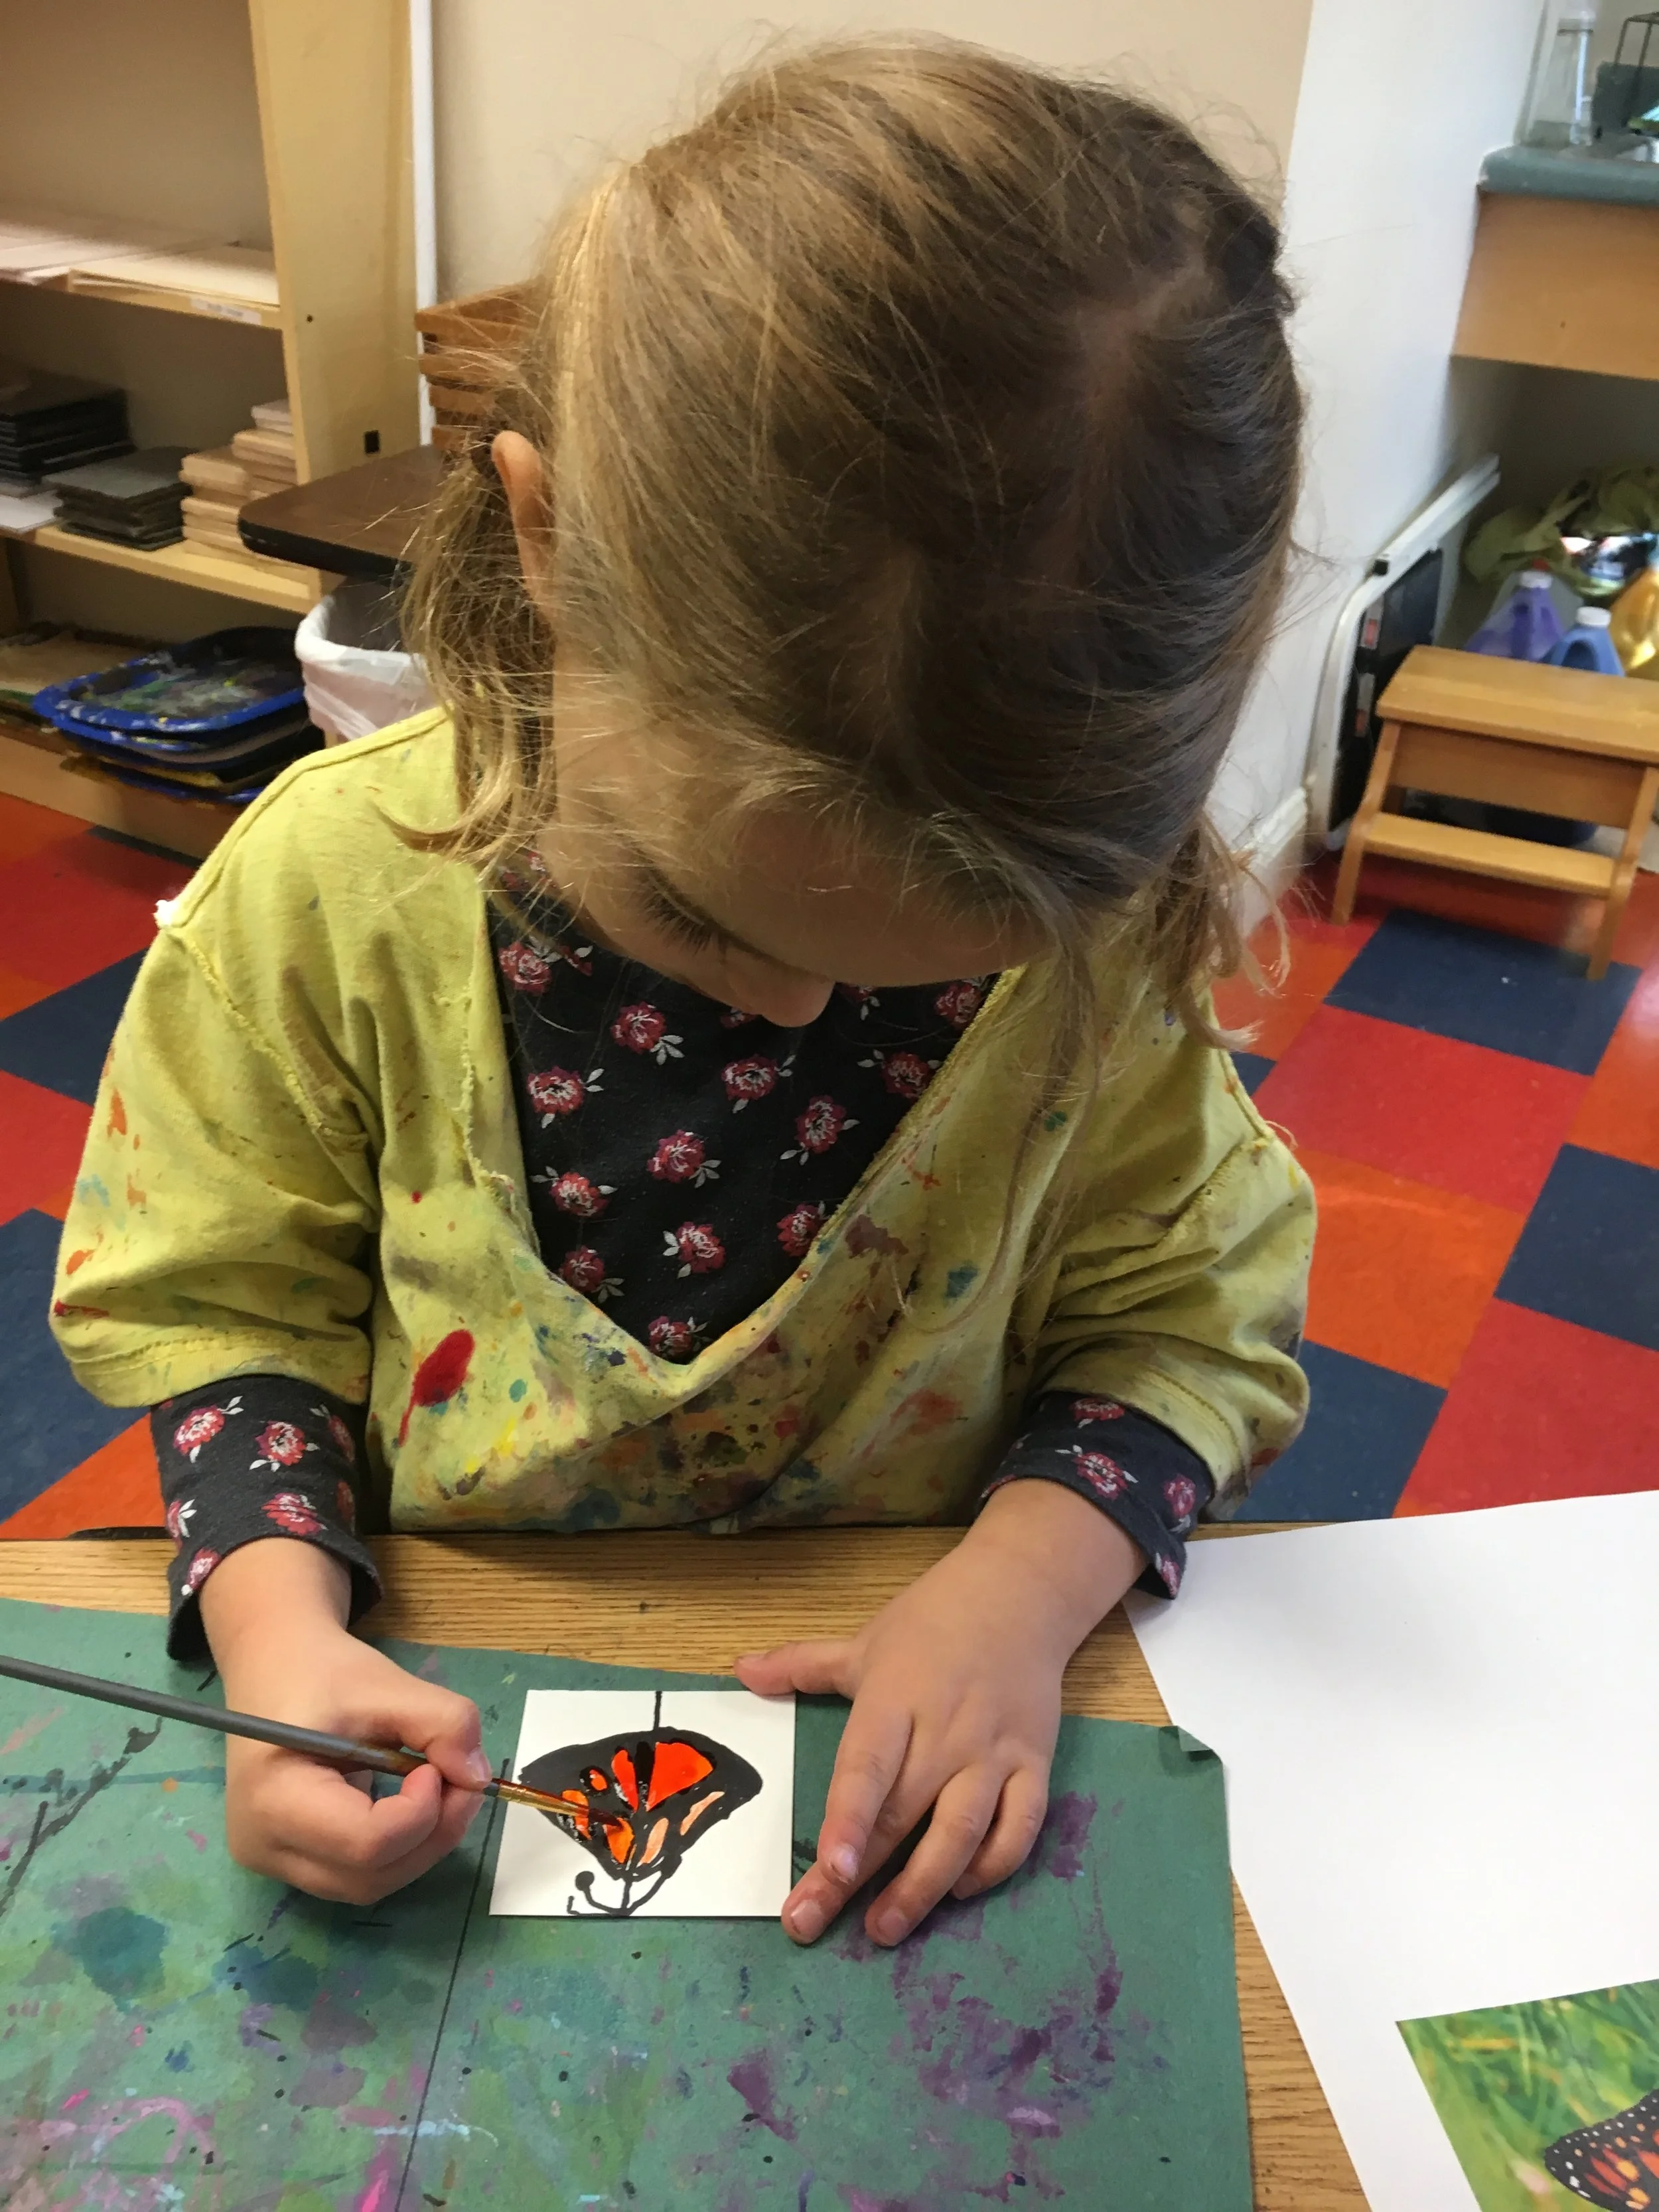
pixel 843 1863
pixel 479 1768
pixel 890 1927
pixel 807 1920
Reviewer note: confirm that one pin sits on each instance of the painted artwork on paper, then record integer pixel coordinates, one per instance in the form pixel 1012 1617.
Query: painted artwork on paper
pixel 680 1806
pixel 1550 2105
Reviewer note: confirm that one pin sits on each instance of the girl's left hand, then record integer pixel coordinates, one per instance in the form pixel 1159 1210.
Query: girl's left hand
pixel 955 1688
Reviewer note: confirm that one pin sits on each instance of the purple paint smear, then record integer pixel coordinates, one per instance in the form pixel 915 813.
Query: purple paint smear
pixel 751 2078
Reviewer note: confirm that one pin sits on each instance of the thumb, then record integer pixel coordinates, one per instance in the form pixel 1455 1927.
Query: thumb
pixel 829 1665
pixel 445 1728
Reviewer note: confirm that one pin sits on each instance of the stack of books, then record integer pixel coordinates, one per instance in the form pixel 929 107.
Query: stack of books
pixel 136 501
pixel 222 479
pixel 49 422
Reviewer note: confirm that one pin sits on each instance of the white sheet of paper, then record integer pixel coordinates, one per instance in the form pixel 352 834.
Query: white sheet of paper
pixel 1439 1740
pixel 739 1870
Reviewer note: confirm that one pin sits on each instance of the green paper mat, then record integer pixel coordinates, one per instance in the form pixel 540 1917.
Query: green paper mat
pixel 179 2033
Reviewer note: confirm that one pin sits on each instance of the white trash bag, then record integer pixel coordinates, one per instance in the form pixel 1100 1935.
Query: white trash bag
pixel 357 677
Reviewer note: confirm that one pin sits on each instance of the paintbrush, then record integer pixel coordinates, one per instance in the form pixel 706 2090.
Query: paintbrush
pixel 333 1750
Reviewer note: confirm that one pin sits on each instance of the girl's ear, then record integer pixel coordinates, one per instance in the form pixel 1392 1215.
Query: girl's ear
pixel 524 480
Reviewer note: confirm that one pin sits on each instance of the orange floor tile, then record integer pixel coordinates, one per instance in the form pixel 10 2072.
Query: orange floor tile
pixel 1401 1273
pixel 24 828
pixel 1620 1110
pixel 118 1487
pixel 1276 1014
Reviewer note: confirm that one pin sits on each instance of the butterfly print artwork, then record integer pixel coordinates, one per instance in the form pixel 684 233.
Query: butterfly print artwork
pixel 1615 2162
pixel 639 1805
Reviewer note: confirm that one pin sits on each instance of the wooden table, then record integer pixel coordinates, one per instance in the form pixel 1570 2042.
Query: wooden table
pixel 676 1601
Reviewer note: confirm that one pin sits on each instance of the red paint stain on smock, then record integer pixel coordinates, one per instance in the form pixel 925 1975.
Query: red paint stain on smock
pixel 440 1375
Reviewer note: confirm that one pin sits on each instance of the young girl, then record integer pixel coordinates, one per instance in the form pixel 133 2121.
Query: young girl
pixel 745 1061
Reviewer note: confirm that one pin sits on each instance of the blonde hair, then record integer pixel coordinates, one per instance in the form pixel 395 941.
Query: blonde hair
pixel 922 437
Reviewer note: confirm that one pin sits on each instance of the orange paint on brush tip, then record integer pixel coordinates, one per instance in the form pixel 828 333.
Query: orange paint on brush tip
pixel 440 1375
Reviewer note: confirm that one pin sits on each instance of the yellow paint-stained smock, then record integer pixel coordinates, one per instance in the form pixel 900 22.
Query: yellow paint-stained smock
pixel 304 1160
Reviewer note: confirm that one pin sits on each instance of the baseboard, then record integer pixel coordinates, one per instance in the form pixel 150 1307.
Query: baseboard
pixel 1273 852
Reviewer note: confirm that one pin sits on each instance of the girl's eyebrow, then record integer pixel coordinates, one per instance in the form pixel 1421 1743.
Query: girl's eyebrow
pixel 667 889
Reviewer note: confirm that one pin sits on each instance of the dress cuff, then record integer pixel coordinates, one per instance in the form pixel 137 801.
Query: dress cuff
pixel 260 1455
pixel 1138 1473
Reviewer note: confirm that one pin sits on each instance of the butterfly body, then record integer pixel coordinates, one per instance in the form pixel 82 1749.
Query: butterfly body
pixel 1614 2163
pixel 637 1803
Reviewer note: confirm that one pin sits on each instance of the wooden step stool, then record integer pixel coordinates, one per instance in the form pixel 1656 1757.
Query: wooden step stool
pixel 1512 733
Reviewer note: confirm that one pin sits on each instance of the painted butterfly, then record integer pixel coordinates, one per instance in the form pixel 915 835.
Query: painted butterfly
pixel 1616 2162
pixel 637 1807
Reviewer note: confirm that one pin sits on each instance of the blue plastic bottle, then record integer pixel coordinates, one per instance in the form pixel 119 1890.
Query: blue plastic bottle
pixel 1524 626
pixel 1588 644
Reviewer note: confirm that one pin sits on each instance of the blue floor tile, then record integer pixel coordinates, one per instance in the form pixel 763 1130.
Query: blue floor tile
pixel 1366 1430
pixel 1506 993
pixel 48 1424
pixel 1589 1252
pixel 1253 1070
pixel 60 1042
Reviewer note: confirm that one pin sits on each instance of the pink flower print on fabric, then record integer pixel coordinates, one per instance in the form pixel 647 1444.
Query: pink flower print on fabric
pixel 642 1029
pixel 1084 1410
pixel 289 1511
pixel 906 1075
pixel 754 1078
pixel 345 1505
pixel 862 996
pixel 798 1227
pixel 818 1129
pixel 179 1514
pixel 338 1435
pixel 579 957
pixel 957 1003
pixel 1180 1495
pixel 573 1193
pixel 734 1018
pixel 281 1445
pixel 202 1426
pixel 1104 1475
pixel 524 968
pixel 673 1339
pixel 584 1270
pixel 559 1091
pixel 198 1570
pixel 695 1244
pixel 1171 1576
pixel 681 1158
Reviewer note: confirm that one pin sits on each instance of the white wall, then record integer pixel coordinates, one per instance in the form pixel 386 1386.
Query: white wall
pixel 1398 105
pixel 534 94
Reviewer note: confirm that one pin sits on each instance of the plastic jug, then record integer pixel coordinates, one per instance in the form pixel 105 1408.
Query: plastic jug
pixel 1635 630
pixel 1524 626
pixel 1589 645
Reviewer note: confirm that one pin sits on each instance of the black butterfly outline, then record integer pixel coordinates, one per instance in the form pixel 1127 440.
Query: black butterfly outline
pixel 689 1782
pixel 1605 2163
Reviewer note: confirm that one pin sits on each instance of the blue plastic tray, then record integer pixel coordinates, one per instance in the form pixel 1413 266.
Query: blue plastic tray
pixel 212 684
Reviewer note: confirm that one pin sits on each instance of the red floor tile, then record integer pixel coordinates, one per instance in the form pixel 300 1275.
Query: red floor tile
pixel 118 1487
pixel 1402 1274
pixel 41 1137
pixel 1277 1014
pixel 24 828
pixel 1620 1110
pixel 1541 1409
pixel 1430 1108
pixel 17 992
pixel 81 903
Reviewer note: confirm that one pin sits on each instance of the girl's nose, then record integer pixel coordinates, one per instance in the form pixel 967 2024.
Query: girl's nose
pixel 791 1000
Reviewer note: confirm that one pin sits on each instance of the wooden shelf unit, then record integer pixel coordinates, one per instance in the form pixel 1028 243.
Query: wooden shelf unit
pixel 38 765
pixel 333 92
pixel 203 568
pixel 1563 284
pixel 135 293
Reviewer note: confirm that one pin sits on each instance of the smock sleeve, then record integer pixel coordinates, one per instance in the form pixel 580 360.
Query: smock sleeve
pixel 1180 1285
pixel 223 1220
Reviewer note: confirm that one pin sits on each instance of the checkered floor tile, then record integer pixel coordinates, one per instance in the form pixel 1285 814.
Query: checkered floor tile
pixel 1482 1125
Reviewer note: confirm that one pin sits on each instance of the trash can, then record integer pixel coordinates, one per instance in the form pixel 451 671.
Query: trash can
pixel 357 677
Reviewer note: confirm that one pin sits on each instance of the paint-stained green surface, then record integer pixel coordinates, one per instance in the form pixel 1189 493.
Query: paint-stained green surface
pixel 177 2033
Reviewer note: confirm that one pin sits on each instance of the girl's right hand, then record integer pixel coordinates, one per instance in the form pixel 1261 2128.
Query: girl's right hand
pixel 294 1817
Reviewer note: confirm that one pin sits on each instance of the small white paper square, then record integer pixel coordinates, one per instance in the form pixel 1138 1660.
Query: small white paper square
pixel 735 1865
